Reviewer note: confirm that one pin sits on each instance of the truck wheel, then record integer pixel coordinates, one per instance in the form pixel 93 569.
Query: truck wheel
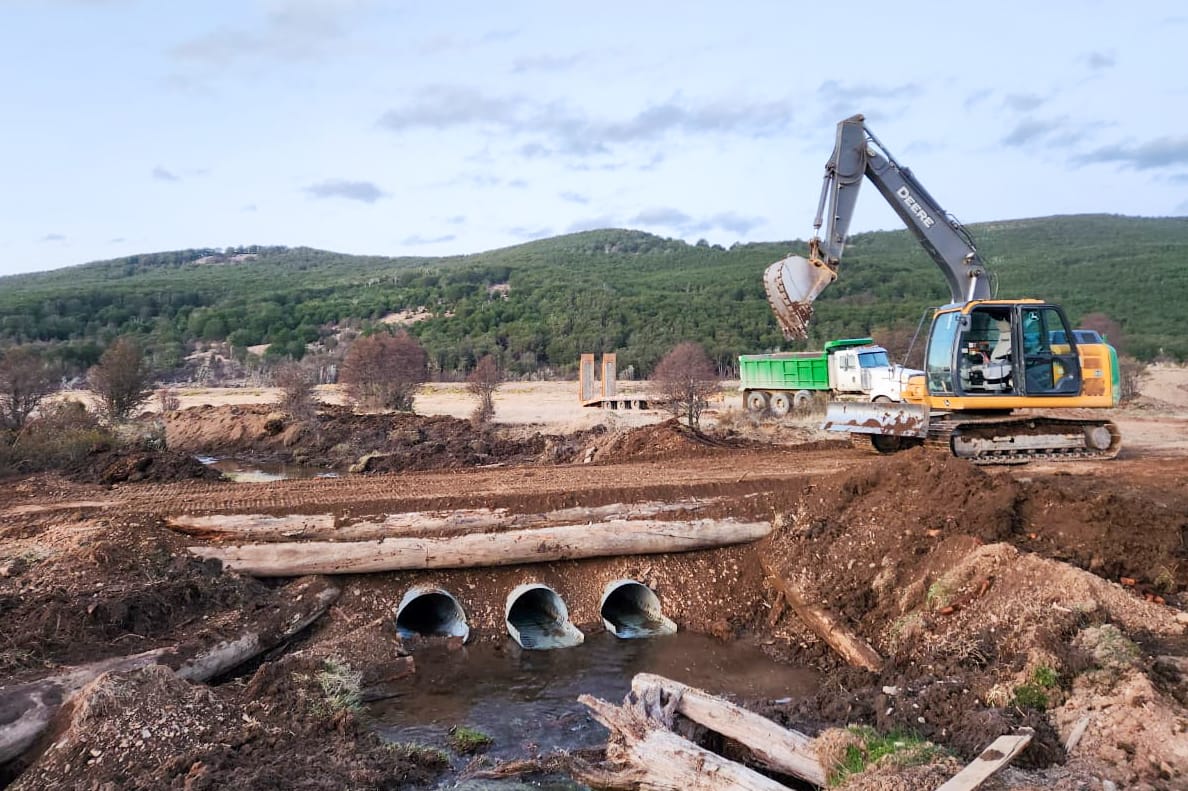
pixel 756 401
pixel 882 399
pixel 802 401
pixel 781 404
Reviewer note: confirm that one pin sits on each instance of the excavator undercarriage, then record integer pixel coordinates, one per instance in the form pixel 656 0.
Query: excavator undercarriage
pixel 991 438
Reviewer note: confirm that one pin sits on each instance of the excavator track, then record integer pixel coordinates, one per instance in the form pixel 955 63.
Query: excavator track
pixel 1019 439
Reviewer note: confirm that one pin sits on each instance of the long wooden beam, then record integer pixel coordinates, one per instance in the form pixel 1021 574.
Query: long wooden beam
pixel 513 547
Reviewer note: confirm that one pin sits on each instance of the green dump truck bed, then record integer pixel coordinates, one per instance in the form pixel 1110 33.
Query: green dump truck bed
pixel 791 370
pixel 786 371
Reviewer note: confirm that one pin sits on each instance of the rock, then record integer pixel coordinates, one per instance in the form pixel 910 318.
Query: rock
pixel 14 567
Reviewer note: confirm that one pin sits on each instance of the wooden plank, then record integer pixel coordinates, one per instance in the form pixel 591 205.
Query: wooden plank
pixel 773 747
pixel 1001 752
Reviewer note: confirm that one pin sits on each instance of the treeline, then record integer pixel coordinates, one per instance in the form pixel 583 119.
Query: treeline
pixel 539 305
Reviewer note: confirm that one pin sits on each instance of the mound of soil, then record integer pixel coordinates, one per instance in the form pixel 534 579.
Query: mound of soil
pixel 131 466
pixel 667 440
pixel 338 438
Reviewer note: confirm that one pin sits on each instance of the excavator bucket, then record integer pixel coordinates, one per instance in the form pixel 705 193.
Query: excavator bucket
pixel 792 284
pixel 887 419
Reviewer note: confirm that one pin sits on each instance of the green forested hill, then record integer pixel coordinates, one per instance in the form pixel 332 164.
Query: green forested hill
pixel 597 291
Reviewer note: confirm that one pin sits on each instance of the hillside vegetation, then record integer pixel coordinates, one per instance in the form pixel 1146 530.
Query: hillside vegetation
pixel 539 305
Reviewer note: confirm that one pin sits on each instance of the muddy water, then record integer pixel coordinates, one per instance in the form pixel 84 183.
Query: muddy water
pixel 241 471
pixel 526 701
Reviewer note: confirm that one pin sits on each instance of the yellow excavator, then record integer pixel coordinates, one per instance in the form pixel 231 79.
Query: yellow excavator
pixel 995 370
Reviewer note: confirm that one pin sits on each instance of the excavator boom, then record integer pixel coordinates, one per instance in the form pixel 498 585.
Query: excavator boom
pixel 794 282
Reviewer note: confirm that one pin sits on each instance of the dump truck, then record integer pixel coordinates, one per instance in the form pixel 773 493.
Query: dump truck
pixel 849 369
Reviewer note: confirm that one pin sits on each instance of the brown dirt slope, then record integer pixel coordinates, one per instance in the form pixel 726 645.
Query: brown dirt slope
pixel 940 566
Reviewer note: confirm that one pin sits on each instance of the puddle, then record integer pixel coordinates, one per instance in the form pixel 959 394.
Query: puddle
pixel 241 471
pixel 526 701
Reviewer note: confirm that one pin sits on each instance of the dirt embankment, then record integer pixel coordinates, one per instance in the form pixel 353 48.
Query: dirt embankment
pixel 998 598
pixel 991 597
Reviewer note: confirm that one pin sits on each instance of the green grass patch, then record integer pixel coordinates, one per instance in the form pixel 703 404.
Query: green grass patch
pixel 1034 694
pixel 420 754
pixel 902 747
pixel 465 740
pixel 342 685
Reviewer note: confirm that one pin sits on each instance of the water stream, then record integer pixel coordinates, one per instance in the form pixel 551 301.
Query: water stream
pixel 526 701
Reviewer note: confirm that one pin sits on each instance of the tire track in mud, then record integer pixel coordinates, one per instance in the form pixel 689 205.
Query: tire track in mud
pixel 746 474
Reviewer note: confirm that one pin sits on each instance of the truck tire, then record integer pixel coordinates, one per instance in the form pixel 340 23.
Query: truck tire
pixel 802 401
pixel 781 404
pixel 755 401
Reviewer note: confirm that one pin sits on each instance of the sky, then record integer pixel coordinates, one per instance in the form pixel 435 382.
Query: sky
pixel 443 128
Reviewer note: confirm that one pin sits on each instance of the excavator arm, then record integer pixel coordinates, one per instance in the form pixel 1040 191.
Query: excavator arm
pixel 793 283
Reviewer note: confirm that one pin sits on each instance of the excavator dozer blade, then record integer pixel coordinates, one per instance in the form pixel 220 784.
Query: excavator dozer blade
pixel 792 284
pixel 887 419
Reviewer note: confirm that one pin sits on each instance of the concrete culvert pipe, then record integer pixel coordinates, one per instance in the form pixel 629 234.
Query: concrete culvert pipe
pixel 631 609
pixel 431 612
pixel 538 619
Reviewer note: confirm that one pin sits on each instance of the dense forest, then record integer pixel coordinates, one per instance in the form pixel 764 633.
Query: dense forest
pixel 538 305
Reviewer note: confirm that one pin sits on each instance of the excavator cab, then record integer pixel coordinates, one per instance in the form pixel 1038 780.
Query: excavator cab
pixel 998 349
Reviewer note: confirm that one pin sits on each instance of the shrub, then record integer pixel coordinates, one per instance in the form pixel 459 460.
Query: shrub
pixel 26 378
pixel 296 382
pixel 121 379
pixel 62 435
pixel 168 400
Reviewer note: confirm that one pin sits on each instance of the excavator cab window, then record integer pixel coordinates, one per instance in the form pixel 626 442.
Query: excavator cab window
pixel 984 352
pixel 1048 369
pixel 938 365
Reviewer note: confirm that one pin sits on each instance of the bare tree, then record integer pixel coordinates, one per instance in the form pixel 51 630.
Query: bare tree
pixel 296 381
pixel 26 378
pixel 482 383
pixel 121 379
pixel 685 380
pixel 383 371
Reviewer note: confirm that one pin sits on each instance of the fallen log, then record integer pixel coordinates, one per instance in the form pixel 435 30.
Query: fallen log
pixel 826 625
pixel 644 753
pixel 1000 752
pixel 26 709
pixel 617 537
pixel 263 528
pixel 780 749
